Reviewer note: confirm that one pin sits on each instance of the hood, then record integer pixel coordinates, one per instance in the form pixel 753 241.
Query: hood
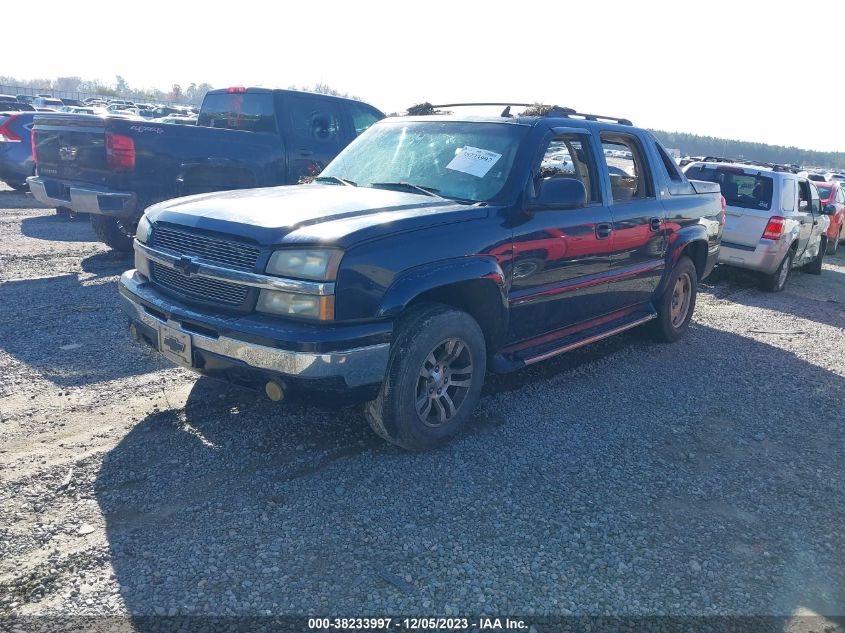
pixel 312 213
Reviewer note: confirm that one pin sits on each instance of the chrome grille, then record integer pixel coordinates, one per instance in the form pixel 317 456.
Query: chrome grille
pixel 199 287
pixel 226 253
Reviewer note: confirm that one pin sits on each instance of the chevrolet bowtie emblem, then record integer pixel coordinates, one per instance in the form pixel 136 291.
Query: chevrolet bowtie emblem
pixel 186 265
pixel 68 153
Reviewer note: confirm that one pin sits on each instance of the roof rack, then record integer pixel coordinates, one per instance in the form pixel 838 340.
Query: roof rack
pixel 538 109
pixel 748 163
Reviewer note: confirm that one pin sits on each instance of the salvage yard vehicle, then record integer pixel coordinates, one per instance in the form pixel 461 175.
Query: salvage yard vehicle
pixel 432 249
pixel 775 220
pixel 114 167
pixel 832 196
pixel 16 162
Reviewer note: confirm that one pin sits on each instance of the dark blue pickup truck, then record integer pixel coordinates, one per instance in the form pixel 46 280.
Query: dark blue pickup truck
pixel 431 250
pixel 114 167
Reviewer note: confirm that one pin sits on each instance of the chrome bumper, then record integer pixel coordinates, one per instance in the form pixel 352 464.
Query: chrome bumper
pixel 55 193
pixel 764 258
pixel 358 366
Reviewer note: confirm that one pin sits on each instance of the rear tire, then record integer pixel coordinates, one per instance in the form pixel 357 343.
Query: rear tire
pixel 815 266
pixel 63 211
pixel 118 234
pixel 434 376
pixel 776 282
pixel 833 245
pixel 677 303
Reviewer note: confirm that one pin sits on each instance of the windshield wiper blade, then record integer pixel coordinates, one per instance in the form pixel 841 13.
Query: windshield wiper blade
pixel 428 191
pixel 342 181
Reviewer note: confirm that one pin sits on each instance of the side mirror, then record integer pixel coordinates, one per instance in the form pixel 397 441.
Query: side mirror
pixel 560 193
pixel 829 210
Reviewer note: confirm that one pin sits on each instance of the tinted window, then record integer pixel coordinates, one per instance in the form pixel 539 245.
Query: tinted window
pixel 252 112
pixel 314 120
pixel 750 191
pixel 668 164
pixel 626 166
pixel 362 117
pixel 569 157
pixel 824 191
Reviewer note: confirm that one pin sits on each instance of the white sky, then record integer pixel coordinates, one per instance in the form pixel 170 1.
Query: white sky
pixel 743 69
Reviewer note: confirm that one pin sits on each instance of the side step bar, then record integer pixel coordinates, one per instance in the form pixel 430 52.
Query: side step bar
pixel 544 347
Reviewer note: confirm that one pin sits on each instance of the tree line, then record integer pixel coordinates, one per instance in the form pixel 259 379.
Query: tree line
pixel 694 145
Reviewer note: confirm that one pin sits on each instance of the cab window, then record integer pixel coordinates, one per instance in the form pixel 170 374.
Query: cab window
pixel 629 178
pixel 569 157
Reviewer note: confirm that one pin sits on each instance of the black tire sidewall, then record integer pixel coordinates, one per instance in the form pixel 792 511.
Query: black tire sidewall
pixel 416 337
pixel 110 233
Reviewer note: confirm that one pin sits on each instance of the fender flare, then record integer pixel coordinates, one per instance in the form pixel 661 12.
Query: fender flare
pixel 411 283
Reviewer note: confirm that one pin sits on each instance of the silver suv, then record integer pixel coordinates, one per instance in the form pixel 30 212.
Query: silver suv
pixel 775 221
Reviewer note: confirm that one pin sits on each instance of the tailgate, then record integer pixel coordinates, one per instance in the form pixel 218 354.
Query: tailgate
pixel 72 147
pixel 744 226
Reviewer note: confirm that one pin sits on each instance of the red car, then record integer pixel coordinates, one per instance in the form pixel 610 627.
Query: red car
pixel 833 193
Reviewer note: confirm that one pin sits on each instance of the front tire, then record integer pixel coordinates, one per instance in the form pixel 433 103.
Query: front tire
pixel 677 303
pixel 118 234
pixel 434 377
pixel 776 282
pixel 18 186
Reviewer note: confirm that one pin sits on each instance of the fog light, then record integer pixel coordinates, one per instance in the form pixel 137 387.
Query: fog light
pixel 274 391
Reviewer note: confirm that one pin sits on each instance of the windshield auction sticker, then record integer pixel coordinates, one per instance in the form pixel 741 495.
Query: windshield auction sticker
pixel 473 161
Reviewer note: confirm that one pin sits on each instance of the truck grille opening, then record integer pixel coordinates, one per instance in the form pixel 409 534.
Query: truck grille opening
pixel 199 288
pixel 226 253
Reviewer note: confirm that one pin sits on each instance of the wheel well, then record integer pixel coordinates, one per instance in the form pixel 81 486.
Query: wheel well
pixel 480 299
pixel 697 252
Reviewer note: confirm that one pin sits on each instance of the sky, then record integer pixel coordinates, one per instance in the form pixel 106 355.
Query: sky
pixel 750 70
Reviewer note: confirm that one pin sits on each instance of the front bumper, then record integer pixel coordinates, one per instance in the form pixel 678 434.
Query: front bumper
pixel 83 198
pixel 246 352
pixel 764 258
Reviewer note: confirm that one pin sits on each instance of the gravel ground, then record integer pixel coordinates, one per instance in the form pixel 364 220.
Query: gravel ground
pixel 629 478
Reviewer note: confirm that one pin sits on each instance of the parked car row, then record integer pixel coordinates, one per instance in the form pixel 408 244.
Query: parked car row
pixel 425 251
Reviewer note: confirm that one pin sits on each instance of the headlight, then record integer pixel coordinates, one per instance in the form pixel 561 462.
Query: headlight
pixel 317 264
pixel 296 304
pixel 145 227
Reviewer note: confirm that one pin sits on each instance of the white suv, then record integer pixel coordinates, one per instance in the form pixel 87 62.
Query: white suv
pixel 775 221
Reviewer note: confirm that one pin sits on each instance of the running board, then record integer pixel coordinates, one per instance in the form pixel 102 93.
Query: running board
pixel 544 347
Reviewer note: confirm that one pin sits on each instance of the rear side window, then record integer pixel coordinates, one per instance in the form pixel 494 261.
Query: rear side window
pixel 788 195
pixel 362 117
pixel 251 112
pixel 672 170
pixel 629 178
pixel 749 191
pixel 315 120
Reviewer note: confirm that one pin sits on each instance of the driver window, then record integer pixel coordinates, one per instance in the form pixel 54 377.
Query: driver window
pixel 569 157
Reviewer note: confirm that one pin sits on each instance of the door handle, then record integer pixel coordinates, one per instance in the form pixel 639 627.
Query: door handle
pixel 656 224
pixel 306 152
pixel 603 230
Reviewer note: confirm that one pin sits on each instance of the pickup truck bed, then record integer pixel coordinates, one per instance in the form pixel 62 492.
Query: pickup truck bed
pixel 114 167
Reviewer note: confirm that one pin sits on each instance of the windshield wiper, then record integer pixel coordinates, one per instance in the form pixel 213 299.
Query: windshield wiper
pixel 428 191
pixel 341 181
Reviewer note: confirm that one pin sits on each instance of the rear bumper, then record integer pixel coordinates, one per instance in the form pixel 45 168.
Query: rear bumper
pixel 229 348
pixel 83 198
pixel 764 258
